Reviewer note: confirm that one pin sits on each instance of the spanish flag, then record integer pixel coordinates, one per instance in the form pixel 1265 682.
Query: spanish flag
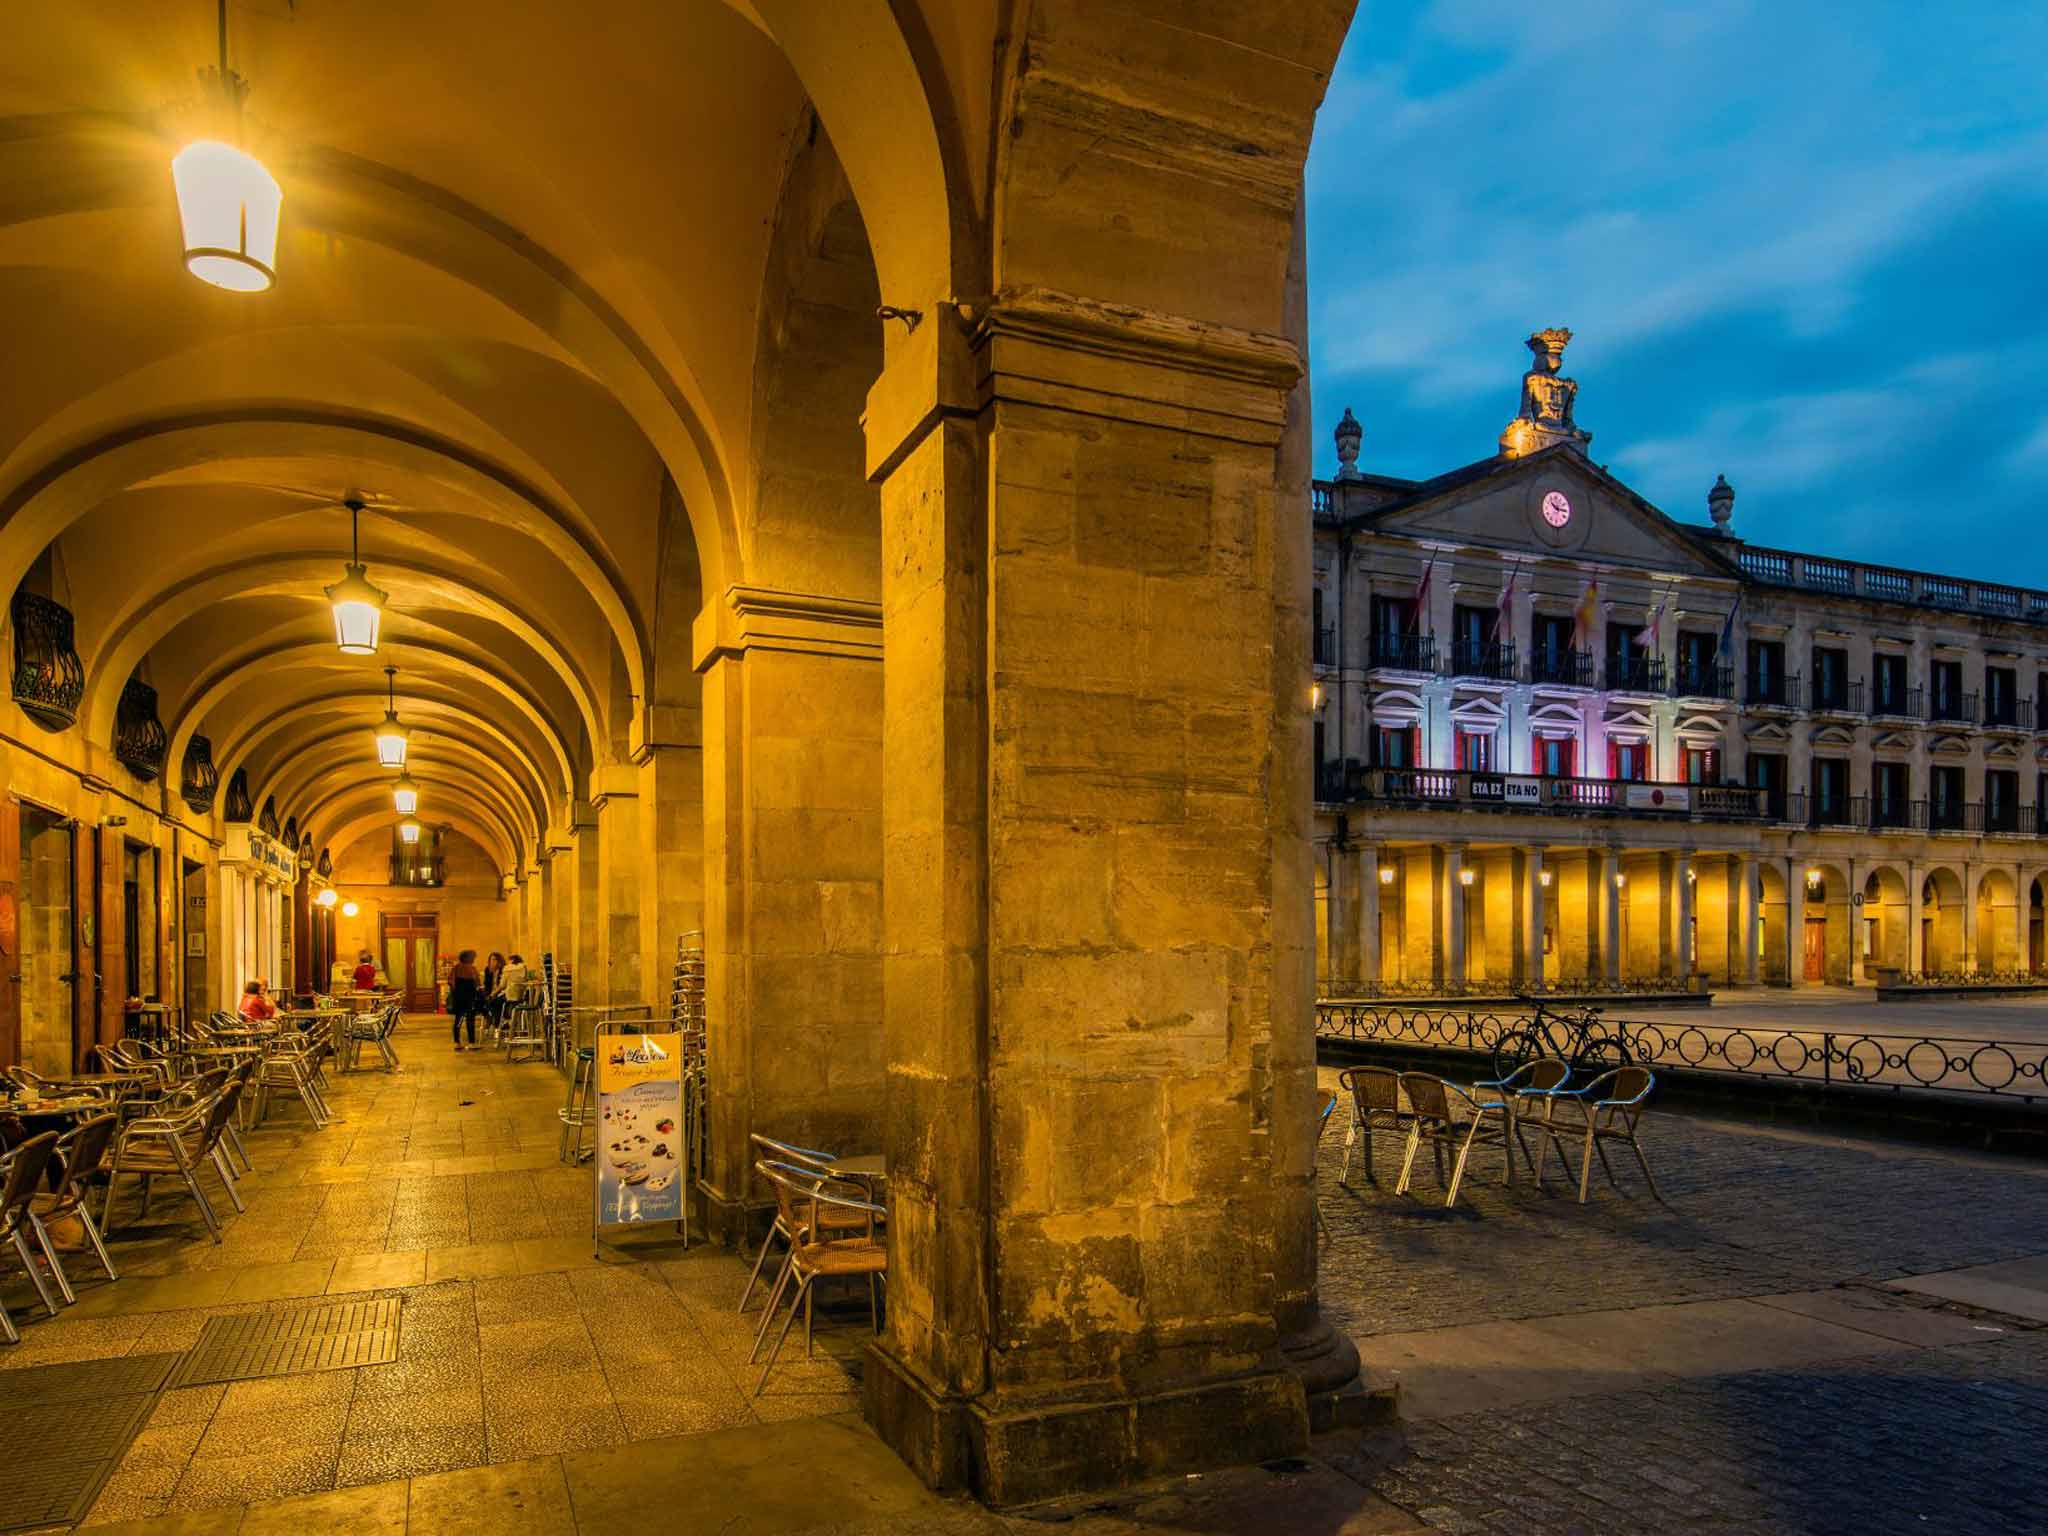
pixel 1586 617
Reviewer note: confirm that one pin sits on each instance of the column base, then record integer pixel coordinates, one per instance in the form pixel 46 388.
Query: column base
pixel 1006 1454
pixel 725 1219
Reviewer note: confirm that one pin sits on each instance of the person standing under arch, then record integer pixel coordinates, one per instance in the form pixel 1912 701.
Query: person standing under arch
pixel 465 995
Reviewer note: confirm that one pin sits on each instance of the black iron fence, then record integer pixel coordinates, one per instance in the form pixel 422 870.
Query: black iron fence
pixel 1825 1059
pixel 1344 994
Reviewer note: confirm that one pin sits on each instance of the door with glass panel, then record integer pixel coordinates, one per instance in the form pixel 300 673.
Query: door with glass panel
pixel 411 957
pixel 42 957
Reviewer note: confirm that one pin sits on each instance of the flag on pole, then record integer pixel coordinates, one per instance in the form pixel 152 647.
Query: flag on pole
pixel 1652 632
pixel 1586 617
pixel 1422 593
pixel 1503 611
pixel 1728 627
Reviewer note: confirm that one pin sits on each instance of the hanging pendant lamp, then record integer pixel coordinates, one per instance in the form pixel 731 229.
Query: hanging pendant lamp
pixel 228 204
pixel 408 831
pixel 358 606
pixel 391 736
pixel 405 794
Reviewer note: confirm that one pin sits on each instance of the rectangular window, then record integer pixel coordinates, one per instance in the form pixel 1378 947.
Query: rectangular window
pixel 1830 791
pixel 1945 810
pixel 1475 751
pixel 1700 765
pixel 1556 756
pixel 1473 652
pixel 2001 696
pixel 1830 679
pixel 1945 680
pixel 1699 664
pixel 1399 746
pixel 1628 761
pixel 1891 792
pixel 1890 678
pixel 1766 672
pixel 1767 773
pixel 2001 800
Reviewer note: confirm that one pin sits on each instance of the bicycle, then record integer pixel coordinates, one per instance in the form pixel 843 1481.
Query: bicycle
pixel 1589 1045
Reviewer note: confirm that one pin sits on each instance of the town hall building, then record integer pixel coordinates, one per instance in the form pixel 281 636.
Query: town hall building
pixel 1567 742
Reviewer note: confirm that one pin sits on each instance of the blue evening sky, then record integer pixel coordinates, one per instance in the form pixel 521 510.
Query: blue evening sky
pixel 1804 245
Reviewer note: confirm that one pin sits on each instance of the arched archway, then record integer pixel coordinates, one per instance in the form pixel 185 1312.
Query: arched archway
pixel 1884 941
pixel 1999 929
pixel 1941 922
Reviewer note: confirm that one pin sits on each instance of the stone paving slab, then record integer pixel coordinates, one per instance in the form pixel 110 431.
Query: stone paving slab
pixel 2018 1287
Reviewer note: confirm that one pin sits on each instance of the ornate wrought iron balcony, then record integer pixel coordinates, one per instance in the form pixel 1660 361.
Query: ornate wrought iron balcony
pixel 237 806
pixel 49 679
pixel 139 738
pixel 266 822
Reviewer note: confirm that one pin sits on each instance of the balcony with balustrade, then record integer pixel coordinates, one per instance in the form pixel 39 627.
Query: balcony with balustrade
pixel 1898 703
pixel 1772 692
pixel 1635 674
pixel 1561 668
pixel 1836 696
pixel 1846 578
pixel 1483 659
pixel 1458 790
pixel 1703 680
pixel 1409 654
pixel 1326 645
pixel 1951 706
pixel 2008 714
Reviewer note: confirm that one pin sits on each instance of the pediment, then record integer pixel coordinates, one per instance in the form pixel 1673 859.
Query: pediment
pixel 1478 709
pixel 1629 717
pixel 2002 752
pixel 1557 713
pixel 1770 730
pixel 1834 736
pixel 1891 741
pixel 1501 505
pixel 1949 746
pixel 1701 725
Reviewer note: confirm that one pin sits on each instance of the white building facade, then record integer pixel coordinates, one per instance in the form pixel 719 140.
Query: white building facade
pixel 1568 743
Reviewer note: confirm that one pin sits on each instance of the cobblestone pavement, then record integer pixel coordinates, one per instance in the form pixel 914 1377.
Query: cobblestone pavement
pixel 1907 1439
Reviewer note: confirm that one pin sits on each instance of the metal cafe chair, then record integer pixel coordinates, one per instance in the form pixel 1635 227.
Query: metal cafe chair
pixel 820 1164
pixel 1329 1105
pixel 1444 1121
pixel 23 1173
pixel 1610 1108
pixel 1530 1091
pixel 178 1143
pixel 1375 1106
pixel 802 1200
pixel 81 1153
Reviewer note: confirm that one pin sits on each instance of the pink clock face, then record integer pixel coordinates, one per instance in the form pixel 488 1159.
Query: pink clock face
pixel 1557 509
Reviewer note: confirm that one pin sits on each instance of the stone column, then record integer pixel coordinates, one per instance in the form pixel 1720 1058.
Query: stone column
pixel 671 782
pixel 1744 903
pixel 1916 949
pixel 1339 925
pixel 1973 876
pixel 1682 893
pixel 1532 910
pixel 1099 946
pixel 1451 895
pixel 1607 900
pixel 587 953
pixel 1368 860
pixel 2020 958
pixel 1667 914
pixel 792 786
pixel 1795 923
pixel 620 978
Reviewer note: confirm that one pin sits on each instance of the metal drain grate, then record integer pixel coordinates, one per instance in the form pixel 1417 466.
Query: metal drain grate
pixel 67 1428
pixel 291 1343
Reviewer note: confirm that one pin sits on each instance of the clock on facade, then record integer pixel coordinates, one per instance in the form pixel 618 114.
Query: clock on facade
pixel 1557 508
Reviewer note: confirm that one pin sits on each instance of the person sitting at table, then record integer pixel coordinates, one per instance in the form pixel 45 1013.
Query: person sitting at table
pixel 254 1005
pixel 366 972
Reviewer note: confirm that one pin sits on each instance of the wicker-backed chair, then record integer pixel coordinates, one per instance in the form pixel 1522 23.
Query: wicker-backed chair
pixel 81 1154
pixel 807 1204
pixel 21 1174
pixel 1375 1106
pixel 1530 1091
pixel 1324 1109
pixel 295 1066
pixel 1609 1108
pixel 1446 1115
pixel 820 1166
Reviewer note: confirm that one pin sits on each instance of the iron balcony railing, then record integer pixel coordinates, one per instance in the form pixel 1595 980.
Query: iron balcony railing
pixel 1457 789
pixel 1899 703
pixel 1832 811
pixel 1483 659
pixel 1326 646
pixel 1569 668
pixel 1840 697
pixel 1404 653
pixel 2009 713
pixel 1635 674
pixel 1772 692
pixel 1950 705
pixel 1707 680
pixel 1955 816
pixel 1888 814
pixel 2005 816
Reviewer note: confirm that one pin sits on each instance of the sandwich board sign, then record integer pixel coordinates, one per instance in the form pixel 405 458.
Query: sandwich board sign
pixel 639 1128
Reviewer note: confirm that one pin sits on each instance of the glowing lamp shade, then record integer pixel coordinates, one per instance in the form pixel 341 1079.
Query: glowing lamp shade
pixel 327 898
pixel 391 739
pixel 349 909
pixel 405 794
pixel 358 612
pixel 228 205
pixel 408 831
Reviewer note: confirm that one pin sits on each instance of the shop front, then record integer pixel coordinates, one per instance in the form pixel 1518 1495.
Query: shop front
pixel 257 874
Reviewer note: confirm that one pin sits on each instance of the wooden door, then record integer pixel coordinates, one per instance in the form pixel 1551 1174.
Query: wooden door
pixel 1816 948
pixel 411 957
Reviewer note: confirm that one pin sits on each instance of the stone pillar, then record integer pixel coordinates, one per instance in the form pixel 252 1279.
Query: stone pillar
pixel 1369 913
pixel 1973 877
pixel 1342 960
pixel 2020 957
pixel 1667 914
pixel 588 950
pixel 1795 923
pixel 1533 901
pixel 792 786
pixel 1099 945
pixel 1451 895
pixel 671 783
pixel 1606 900
pixel 1916 949
pixel 1743 902
pixel 1682 894
pixel 621 978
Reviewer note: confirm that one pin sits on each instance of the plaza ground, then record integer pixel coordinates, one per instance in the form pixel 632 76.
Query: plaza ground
pixel 1815 1334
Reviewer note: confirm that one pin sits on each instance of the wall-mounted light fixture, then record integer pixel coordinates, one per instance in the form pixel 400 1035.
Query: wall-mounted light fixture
pixel 1543 878
pixel 349 909
pixel 1467 876
pixel 1386 874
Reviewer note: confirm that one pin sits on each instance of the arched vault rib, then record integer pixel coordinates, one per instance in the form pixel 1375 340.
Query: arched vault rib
pixel 235 674
pixel 437 796
pixel 357 810
pixel 56 495
pixel 231 753
pixel 313 772
pixel 75 162
pixel 147 618
pixel 317 755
